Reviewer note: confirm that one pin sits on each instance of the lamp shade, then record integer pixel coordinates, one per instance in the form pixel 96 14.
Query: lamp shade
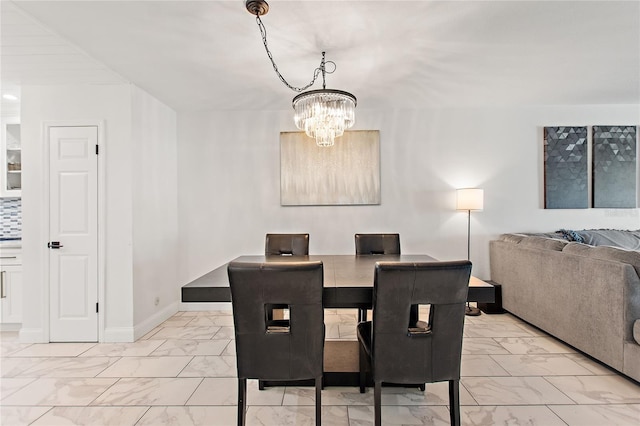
pixel 470 199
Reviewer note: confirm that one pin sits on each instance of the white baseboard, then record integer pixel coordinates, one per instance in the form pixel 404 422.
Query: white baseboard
pixel 118 335
pixel 32 335
pixel 10 327
pixel 131 334
pixel 111 334
pixel 205 306
pixel 154 320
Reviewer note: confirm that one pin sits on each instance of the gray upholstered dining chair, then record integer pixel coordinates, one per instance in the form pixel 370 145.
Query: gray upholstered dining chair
pixel 286 244
pixel 397 350
pixel 377 243
pixel 273 351
pixel 368 244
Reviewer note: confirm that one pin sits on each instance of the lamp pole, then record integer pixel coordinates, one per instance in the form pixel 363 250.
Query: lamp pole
pixel 468 234
pixel 470 310
pixel 470 199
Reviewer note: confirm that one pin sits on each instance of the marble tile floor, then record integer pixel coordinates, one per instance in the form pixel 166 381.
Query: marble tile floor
pixel 183 373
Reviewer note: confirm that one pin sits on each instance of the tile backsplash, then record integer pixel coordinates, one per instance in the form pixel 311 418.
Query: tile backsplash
pixel 10 218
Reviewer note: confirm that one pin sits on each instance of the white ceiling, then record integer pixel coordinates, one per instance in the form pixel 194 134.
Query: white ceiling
pixel 201 55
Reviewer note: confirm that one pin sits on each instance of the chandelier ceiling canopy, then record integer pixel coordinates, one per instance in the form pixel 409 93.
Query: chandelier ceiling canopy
pixel 323 114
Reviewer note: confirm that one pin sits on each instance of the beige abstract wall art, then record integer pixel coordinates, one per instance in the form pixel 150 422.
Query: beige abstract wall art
pixel 347 173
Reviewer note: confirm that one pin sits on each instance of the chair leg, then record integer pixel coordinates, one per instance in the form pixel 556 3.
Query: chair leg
pixel 362 314
pixel 377 402
pixel 242 401
pixel 362 366
pixel 318 401
pixel 454 402
pixel 422 387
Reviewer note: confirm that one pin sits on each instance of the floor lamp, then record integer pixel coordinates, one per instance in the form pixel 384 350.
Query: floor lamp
pixel 470 199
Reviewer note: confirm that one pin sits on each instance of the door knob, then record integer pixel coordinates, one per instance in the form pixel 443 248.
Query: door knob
pixel 54 245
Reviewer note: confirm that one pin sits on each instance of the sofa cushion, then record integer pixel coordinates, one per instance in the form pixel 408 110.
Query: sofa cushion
pixel 543 243
pixel 578 248
pixel 512 238
pixel 636 331
pixel 605 253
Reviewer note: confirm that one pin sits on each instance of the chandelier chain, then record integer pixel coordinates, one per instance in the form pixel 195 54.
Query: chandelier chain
pixel 321 69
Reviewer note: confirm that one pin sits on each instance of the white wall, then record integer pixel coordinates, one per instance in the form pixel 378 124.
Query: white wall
pixel 155 212
pixel 138 150
pixel 73 104
pixel 228 175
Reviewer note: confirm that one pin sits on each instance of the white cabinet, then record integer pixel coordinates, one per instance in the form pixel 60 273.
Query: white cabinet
pixel 11 159
pixel 10 286
pixel 11 294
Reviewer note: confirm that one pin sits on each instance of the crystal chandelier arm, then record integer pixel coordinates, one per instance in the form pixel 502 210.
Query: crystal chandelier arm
pixel 316 73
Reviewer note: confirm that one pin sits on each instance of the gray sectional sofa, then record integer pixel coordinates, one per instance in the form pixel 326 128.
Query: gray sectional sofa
pixel 586 295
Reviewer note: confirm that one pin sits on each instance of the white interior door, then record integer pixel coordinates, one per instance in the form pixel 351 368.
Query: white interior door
pixel 73 233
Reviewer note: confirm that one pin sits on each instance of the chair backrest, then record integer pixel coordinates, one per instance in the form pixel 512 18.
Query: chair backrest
pixel 404 352
pixel 265 350
pixel 377 243
pixel 286 244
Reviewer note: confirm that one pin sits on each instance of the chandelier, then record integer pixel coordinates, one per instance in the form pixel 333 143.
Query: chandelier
pixel 323 114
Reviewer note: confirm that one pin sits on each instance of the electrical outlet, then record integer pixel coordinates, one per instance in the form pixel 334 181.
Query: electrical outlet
pixel 156 301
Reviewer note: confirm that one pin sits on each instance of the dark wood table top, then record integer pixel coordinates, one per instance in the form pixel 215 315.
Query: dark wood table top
pixel 348 279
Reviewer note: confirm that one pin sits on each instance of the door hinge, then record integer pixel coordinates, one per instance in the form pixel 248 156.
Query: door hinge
pixel 97 149
pixel 96 307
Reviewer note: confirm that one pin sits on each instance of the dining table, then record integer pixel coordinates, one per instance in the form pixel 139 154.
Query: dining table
pixel 348 283
pixel 348 279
